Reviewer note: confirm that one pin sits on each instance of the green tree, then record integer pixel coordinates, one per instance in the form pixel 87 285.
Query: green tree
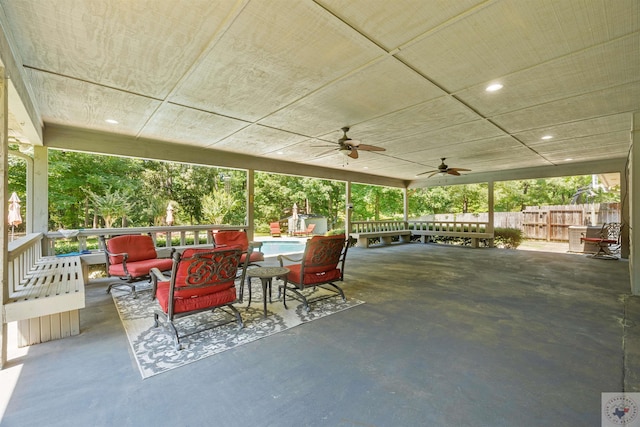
pixel 71 173
pixel 110 206
pixel 217 206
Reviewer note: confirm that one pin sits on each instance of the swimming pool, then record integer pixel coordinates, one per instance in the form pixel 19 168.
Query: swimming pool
pixel 273 248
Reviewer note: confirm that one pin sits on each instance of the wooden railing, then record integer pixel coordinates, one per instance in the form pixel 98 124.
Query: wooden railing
pixel 373 226
pixel 23 255
pixel 461 227
pixel 188 235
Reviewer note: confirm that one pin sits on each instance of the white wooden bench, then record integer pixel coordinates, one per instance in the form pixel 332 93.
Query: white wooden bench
pixel 385 230
pixel 466 229
pixel 44 294
pixel 386 237
pixel 425 236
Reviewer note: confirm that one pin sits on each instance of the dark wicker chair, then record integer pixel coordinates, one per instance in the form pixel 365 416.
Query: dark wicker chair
pixel 322 264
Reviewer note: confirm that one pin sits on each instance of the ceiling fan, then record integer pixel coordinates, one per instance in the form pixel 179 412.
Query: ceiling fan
pixel 443 169
pixel 349 147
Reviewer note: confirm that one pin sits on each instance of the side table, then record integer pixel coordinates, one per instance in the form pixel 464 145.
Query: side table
pixel 266 276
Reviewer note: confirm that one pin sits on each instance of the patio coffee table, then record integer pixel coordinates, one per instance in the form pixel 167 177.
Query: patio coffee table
pixel 266 275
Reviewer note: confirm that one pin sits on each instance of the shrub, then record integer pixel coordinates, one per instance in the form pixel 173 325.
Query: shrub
pixel 335 232
pixel 509 238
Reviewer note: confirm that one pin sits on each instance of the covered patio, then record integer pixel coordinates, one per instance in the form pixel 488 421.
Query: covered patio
pixel 442 339
pixel 447 335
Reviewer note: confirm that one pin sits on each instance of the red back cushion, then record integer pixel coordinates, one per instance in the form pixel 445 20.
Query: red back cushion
pixel 232 238
pixel 139 247
pixel 215 267
pixel 323 253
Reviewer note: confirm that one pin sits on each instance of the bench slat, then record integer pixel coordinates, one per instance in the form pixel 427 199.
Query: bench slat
pixel 54 285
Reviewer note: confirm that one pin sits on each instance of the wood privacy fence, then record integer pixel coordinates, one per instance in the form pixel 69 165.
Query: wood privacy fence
pixel 544 222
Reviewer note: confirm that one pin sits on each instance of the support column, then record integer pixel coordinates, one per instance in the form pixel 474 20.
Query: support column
pixel 40 189
pixel 4 212
pixel 250 204
pixel 634 206
pixel 624 215
pixel 490 202
pixel 348 209
pixel 405 195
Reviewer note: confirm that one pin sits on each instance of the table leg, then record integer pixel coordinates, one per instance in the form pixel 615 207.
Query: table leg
pixel 266 282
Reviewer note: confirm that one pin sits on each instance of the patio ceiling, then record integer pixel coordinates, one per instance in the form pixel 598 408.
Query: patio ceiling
pixel 274 80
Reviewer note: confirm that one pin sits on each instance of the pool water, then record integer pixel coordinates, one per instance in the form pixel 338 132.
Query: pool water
pixel 273 248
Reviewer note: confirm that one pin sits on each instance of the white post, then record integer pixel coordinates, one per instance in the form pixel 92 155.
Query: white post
pixel 250 204
pixel 4 212
pixel 634 210
pixel 348 209
pixel 405 195
pixel 490 202
pixel 40 189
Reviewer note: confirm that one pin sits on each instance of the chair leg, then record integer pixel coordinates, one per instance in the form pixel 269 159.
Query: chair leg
pixel 295 291
pixel 131 286
pixel 339 289
pixel 237 314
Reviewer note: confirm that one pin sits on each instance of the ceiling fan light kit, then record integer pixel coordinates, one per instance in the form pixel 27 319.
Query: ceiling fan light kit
pixel 349 147
pixel 444 169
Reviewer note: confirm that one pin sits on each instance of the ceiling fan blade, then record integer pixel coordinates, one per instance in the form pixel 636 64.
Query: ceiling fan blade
pixel 366 147
pixel 424 173
pixel 460 169
pixel 353 153
pixel 433 173
pixel 453 172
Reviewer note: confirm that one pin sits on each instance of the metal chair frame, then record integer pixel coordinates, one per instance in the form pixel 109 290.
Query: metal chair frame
pixel 128 280
pixel 204 271
pixel 608 241
pixel 322 250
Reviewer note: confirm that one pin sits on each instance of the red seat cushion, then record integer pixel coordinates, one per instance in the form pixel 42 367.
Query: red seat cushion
pixel 253 257
pixel 598 240
pixel 190 299
pixel 138 247
pixel 312 278
pixel 196 302
pixel 141 268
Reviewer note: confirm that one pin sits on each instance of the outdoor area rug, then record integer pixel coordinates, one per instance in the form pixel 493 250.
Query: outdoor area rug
pixel 154 348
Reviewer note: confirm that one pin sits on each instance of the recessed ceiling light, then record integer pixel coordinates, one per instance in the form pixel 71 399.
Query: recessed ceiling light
pixel 568 160
pixel 366 167
pixel 280 152
pixel 111 121
pixel 547 137
pixel 493 87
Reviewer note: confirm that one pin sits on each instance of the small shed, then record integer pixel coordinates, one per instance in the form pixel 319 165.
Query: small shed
pixel 303 222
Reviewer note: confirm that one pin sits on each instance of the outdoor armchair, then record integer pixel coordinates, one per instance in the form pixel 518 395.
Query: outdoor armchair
pixel 131 257
pixel 608 241
pixel 321 265
pixel 307 232
pixel 201 280
pixel 274 229
pixel 251 254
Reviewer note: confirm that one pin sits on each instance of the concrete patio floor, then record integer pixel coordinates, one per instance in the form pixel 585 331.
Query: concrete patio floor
pixel 449 336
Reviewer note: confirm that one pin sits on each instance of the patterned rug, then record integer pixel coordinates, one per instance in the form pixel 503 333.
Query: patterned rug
pixel 154 348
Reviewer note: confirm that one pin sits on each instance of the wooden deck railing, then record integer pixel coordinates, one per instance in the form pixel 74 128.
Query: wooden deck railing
pixel 450 226
pixel 188 235
pixel 23 255
pixel 374 226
